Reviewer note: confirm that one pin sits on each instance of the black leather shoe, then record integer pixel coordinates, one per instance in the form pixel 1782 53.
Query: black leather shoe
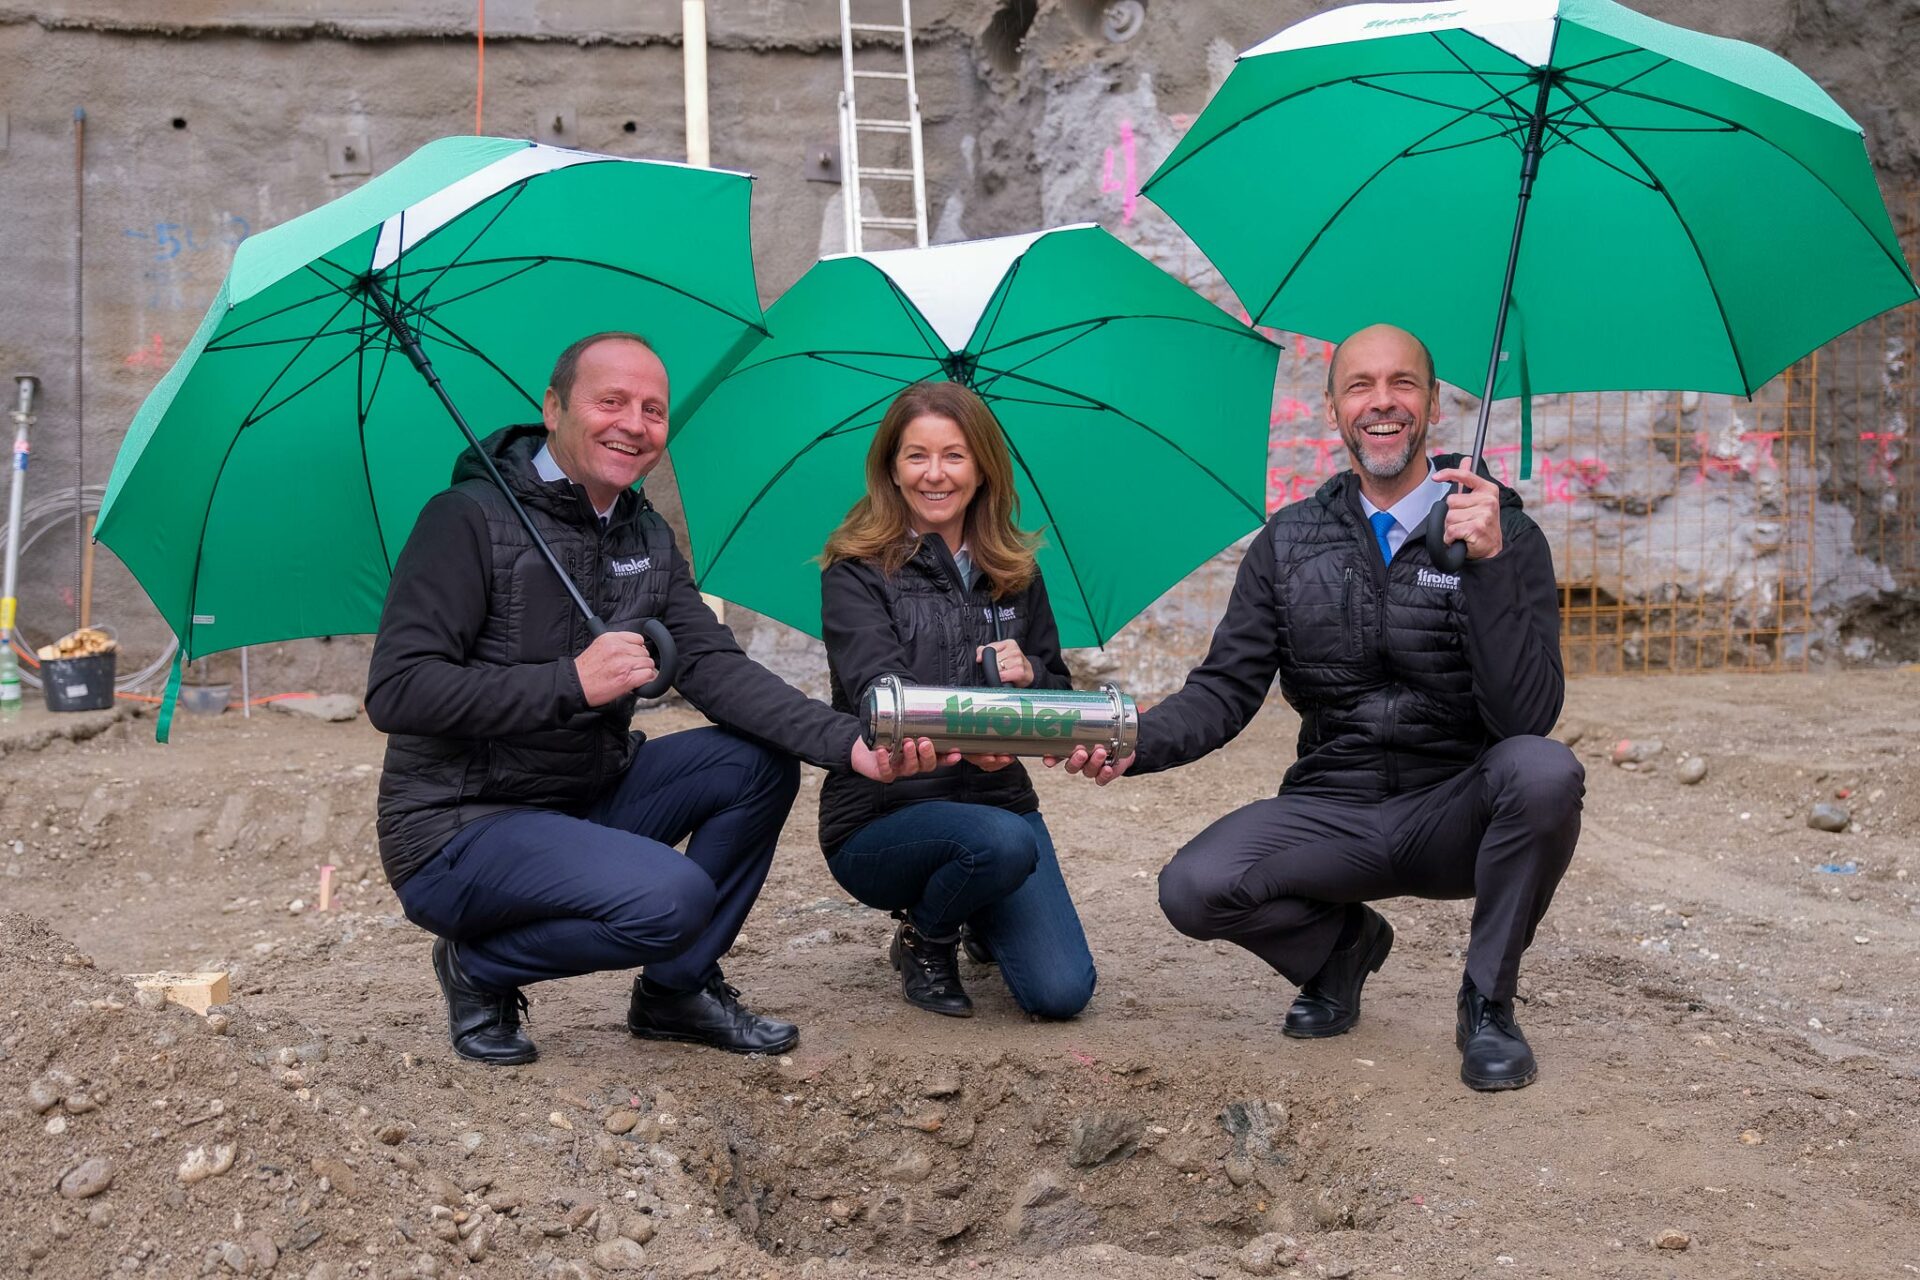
pixel 711 1015
pixel 976 946
pixel 1493 1053
pixel 929 972
pixel 1329 1003
pixel 484 1025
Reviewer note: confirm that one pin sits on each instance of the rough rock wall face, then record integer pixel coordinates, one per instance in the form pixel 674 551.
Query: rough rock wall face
pixel 206 122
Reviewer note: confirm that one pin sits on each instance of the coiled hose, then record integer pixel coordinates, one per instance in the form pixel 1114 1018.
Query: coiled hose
pixel 51 513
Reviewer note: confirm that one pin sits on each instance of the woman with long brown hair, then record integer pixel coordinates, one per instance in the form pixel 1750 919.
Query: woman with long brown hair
pixel 927 578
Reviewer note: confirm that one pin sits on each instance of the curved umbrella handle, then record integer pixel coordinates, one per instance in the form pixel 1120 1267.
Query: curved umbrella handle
pixel 990 671
pixel 1448 557
pixel 666 657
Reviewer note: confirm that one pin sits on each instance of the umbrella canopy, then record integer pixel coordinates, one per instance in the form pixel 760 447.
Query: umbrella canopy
pixel 1704 214
pixel 1136 413
pixel 269 481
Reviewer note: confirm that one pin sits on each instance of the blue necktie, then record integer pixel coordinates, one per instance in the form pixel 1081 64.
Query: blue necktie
pixel 1382 522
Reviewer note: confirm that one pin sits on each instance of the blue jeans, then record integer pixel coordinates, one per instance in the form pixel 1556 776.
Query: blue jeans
pixel 945 863
pixel 534 894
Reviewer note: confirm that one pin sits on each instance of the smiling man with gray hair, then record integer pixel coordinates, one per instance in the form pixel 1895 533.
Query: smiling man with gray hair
pixel 1424 698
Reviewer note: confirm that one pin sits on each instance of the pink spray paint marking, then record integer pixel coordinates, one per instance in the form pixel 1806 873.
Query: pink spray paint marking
pixel 152 356
pixel 1883 456
pixel 1127 182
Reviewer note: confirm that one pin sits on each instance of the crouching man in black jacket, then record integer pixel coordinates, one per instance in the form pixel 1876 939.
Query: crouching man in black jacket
pixel 521 819
pixel 1423 697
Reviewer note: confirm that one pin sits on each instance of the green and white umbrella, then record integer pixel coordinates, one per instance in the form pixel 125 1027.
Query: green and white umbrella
pixel 1697 212
pixel 267 483
pixel 1136 412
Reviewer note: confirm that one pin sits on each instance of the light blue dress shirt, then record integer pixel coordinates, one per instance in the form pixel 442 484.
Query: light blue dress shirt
pixel 1410 512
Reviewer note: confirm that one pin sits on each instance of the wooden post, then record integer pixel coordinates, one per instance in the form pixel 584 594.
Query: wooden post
pixel 86 577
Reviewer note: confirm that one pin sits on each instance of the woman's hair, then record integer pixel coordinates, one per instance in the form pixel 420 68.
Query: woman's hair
pixel 877 527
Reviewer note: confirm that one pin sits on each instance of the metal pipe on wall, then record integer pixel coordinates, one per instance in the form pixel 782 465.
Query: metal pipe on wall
pixel 79 351
pixel 693 23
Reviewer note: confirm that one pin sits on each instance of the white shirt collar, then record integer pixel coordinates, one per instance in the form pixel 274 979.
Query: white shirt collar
pixel 1411 511
pixel 547 469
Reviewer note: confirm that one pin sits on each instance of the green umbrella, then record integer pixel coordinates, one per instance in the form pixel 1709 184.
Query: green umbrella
pixel 268 482
pixel 1136 412
pixel 1697 212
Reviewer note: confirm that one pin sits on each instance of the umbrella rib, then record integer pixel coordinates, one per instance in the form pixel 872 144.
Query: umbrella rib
pixel 788 465
pixel 260 414
pixel 1232 329
pixel 819 355
pixel 1087 329
pixel 1256 316
pixel 1124 416
pixel 1418 152
pixel 544 259
pixel 1450 106
pixel 453 339
pixel 1166 171
pixel 1002 293
pixel 1094 324
pixel 1726 325
pixel 1597 158
pixel 364 405
pixel 1519 113
pixel 822 357
pixel 416 304
pixel 938 350
pixel 255 414
pixel 1053 523
pixel 1892 256
pixel 358 330
pixel 440 273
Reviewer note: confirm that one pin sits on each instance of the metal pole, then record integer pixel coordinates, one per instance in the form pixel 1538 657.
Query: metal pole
pixel 1451 557
pixel 693 26
pixel 22 416
pixel 79 348
pixel 410 344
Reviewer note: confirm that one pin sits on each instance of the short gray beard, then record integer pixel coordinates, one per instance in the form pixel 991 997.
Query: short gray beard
pixel 1381 470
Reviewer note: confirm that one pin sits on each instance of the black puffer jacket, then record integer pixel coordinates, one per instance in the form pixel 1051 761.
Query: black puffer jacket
pixel 1402 675
pixel 923 626
pixel 473 673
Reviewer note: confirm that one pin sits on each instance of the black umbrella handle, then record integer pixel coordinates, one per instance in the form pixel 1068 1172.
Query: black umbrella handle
pixel 990 668
pixel 666 657
pixel 1447 557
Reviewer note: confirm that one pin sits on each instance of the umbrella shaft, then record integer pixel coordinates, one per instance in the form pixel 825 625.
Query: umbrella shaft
pixel 411 345
pixel 1529 168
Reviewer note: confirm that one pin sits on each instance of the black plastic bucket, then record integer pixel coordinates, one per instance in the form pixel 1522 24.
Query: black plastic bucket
pixel 78 684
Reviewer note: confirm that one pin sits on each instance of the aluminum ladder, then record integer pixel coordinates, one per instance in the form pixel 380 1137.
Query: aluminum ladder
pixel 901 119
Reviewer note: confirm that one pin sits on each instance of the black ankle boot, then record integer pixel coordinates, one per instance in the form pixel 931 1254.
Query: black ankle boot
pixel 484 1025
pixel 929 972
pixel 1493 1053
pixel 711 1015
pixel 976 946
pixel 1329 1003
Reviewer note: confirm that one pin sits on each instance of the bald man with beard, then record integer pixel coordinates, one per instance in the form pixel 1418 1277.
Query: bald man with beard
pixel 1424 697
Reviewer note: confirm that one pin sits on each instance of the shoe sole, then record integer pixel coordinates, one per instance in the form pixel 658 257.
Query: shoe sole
pixel 495 1062
pixel 945 1013
pixel 1488 1084
pixel 1327 1033
pixel 1496 1086
pixel 681 1037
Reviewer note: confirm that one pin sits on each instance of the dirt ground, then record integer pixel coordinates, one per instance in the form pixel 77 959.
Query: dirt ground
pixel 1723 1001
